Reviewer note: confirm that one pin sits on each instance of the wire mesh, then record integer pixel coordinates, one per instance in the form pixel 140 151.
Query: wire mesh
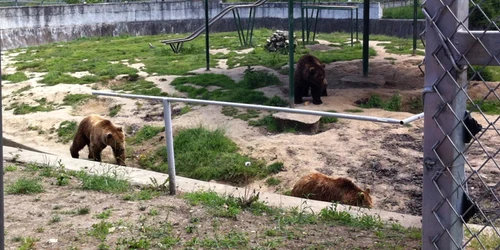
pixel 462 105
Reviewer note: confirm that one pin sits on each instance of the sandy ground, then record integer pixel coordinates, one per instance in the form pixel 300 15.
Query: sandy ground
pixel 385 157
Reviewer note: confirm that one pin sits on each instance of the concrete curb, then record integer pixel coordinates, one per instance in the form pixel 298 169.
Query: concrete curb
pixel 143 177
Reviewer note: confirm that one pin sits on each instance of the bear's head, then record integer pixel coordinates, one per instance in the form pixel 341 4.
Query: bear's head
pixel 115 138
pixel 316 74
pixel 364 198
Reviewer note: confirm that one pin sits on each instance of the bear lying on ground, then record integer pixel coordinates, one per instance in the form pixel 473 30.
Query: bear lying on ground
pixel 318 186
pixel 97 133
pixel 310 74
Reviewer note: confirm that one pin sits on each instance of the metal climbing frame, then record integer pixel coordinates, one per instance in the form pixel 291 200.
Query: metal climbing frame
pixel 306 25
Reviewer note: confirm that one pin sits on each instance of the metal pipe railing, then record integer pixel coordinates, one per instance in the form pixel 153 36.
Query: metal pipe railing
pixel 168 119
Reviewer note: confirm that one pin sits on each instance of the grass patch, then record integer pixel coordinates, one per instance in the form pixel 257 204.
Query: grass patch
pixel 107 182
pixel 268 122
pixel 56 77
pixel 490 107
pixel 75 99
pixel 145 133
pixel 19 91
pixel 272 181
pixel 235 113
pixel 100 230
pixel 14 78
pixel 113 111
pixel 145 194
pixel 23 108
pixel 327 119
pixel 209 155
pixel 353 110
pixel 140 87
pixel 25 185
pixel 66 131
pixel 402 12
pixel 375 101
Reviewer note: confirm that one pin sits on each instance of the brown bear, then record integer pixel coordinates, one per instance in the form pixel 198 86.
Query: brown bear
pixel 318 186
pixel 97 133
pixel 310 74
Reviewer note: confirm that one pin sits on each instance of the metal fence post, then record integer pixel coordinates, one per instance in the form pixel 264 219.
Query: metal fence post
pixel 444 107
pixel 2 210
pixel 167 116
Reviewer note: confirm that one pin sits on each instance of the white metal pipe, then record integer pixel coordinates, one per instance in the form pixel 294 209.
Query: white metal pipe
pixel 167 117
pixel 412 118
pixel 253 106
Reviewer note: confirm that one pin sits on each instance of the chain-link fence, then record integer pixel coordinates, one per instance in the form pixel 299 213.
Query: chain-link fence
pixel 461 197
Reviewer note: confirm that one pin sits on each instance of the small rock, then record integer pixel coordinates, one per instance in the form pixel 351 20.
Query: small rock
pixel 52 241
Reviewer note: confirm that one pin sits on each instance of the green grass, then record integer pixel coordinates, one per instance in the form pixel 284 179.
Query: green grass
pixel 375 101
pixel 268 122
pixel 75 99
pixel 327 119
pixel 235 113
pixel 96 55
pixel 107 182
pixel 23 108
pixel 16 77
pixel 209 155
pixel 145 133
pixel 104 214
pixel 353 110
pixel 145 194
pixel 490 107
pixel 113 111
pixel 140 87
pixel 66 131
pixel 272 181
pixel 403 12
pixel 100 230
pixel 25 185
pixel 21 90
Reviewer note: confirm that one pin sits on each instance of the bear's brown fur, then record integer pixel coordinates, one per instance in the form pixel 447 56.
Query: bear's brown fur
pixel 310 74
pixel 318 186
pixel 97 133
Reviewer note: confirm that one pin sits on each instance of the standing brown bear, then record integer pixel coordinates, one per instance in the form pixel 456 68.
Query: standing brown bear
pixel 317 186
pixel 310 74
pixel 97 133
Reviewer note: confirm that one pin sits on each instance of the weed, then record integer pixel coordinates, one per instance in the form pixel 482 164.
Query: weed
pixel 185 110
pixel 141 243
pixel 14 78
pixel 108 183
pixel 75 99
pixel 28 243
pixel 23 89
pixel 23 108
pixel 62 179
pixel 113 111
pixel 100 230
pixel 268 122
pixel 24 185
pixel 271 181
pixel 365 221
pixel 145 194
pixel 153 212
pixel 66 131
pixel 83 210
pixel 10 168
pixel 353 110
pixel 375 101
pixel 275 168
pixel 55 219
pixel 104 215
pixel 40 229
pixel 145 133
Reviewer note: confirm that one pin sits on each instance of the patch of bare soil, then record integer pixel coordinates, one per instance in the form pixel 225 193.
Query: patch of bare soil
pixel 385 157
pixel 67 217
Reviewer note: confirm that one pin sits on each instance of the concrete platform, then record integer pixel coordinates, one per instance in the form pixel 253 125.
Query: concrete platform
pixel 142 177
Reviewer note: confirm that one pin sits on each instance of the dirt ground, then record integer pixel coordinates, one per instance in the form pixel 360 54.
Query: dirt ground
pixel 384 157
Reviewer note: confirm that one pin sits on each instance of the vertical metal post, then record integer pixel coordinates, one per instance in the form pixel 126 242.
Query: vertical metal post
pixel 415 28
pixel 366 36
pixel 444 107
pixel 167 116
pixel 2 210
pixel 291 49
pixel 207 38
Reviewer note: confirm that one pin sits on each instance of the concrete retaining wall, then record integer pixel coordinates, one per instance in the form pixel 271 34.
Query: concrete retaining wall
pixel 26 26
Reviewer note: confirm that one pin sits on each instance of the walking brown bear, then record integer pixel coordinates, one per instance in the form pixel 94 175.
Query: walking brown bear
pixel 97 133
pixel 310 74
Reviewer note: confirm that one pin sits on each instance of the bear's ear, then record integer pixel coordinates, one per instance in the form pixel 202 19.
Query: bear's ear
pixel 367 190
pixel 361 195
pixel 109 136
pixel 323 65
pixel 119 129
